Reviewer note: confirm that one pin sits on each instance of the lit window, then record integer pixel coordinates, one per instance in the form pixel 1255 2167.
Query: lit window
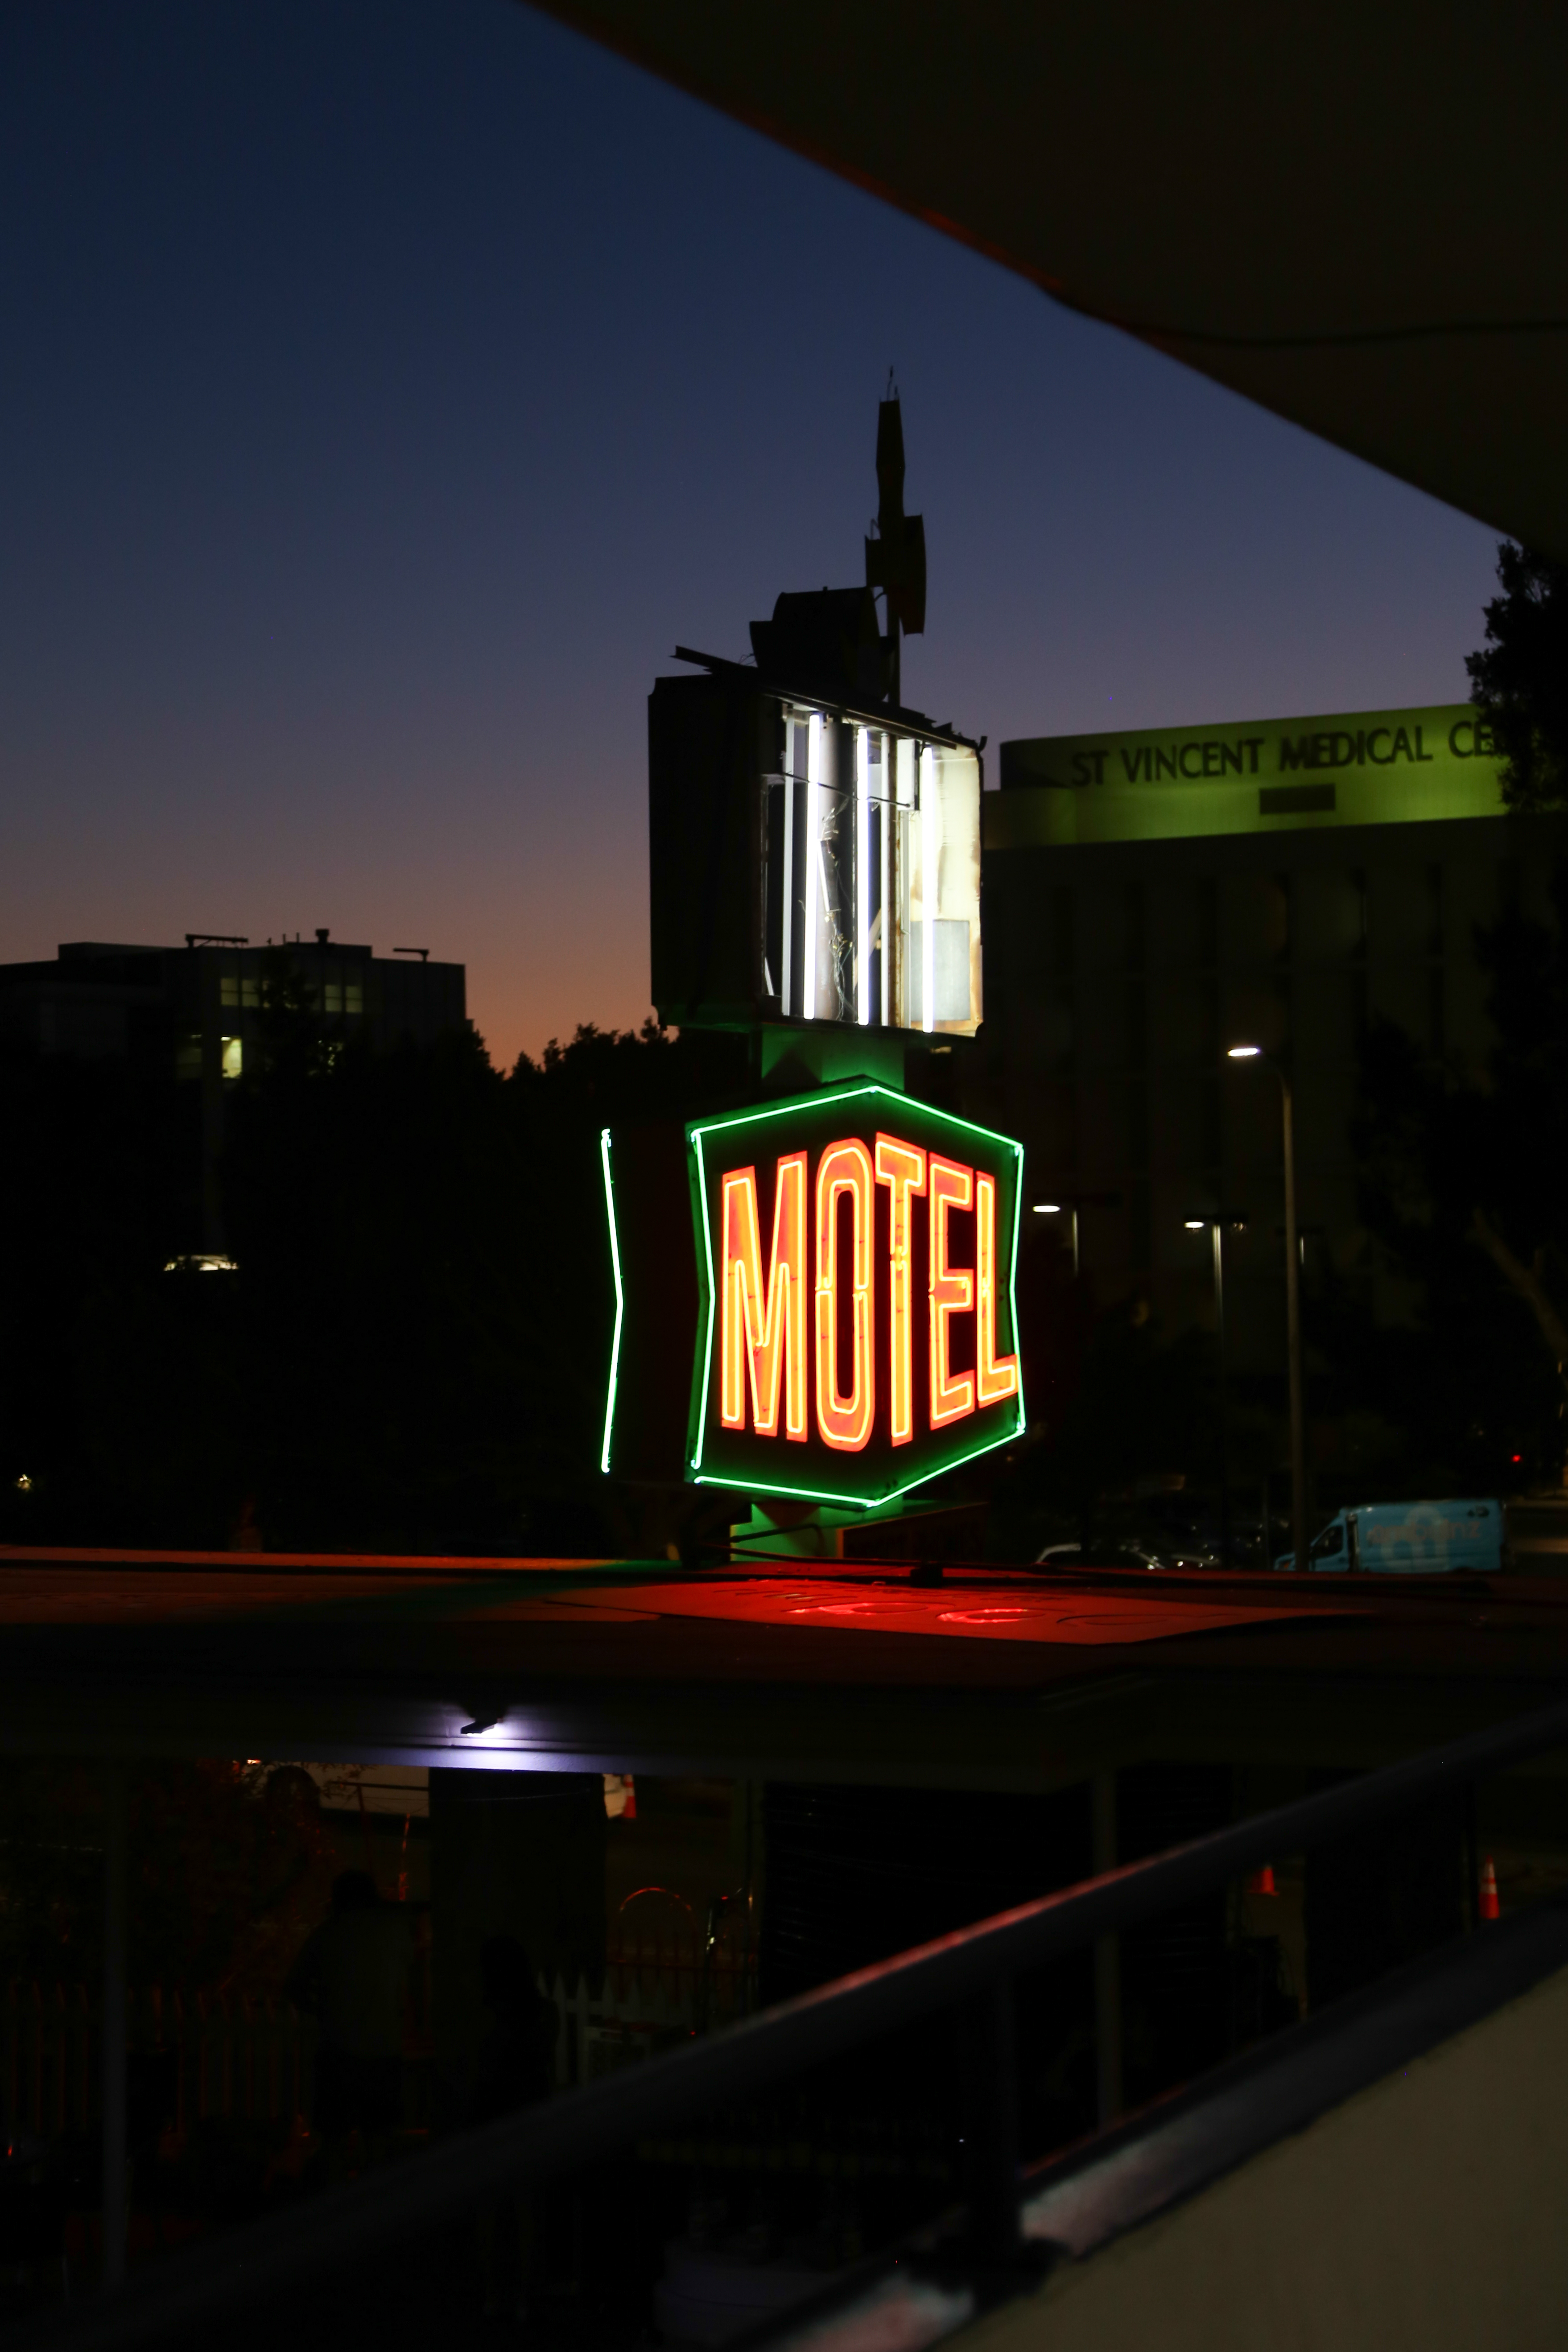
pixel 250 993
pixel 228 989
pixel 232 1057
pixel 353 990
pixel 333 996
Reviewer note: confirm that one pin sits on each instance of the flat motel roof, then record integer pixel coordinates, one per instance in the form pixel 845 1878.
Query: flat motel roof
pixel 994 1677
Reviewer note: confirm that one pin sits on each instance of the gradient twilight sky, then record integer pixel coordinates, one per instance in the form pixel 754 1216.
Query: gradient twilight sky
pixel 387 385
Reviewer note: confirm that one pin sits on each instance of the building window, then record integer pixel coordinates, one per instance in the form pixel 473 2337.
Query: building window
pixel 233 1058
pixel 189 1058
pixel 228 989
pixel 353 990
pixel 250 992
pixel 333 996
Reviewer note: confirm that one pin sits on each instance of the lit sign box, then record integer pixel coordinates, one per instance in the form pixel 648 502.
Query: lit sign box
pixel 846 1291
pixel 809 862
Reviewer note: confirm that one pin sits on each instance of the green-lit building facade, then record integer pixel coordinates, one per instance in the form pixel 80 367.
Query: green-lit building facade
pixel 1152 898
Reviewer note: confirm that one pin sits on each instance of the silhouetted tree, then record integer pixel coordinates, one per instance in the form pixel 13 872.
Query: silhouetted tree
pixel 1520 681
pixel 412 1354
pixel 118 1404
pixel 1465 1187
pixel 1141 1405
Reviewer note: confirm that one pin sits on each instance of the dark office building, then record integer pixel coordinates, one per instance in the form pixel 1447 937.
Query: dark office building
pixel 1154 898
pixel 195 1013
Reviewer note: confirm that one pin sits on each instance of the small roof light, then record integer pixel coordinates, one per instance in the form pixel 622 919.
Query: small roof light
pixel 1047 1208
pixel 1243 1052
pixel 1196 1225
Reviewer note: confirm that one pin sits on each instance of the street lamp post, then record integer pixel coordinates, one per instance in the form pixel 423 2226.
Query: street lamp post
pixel 1068 1204
pixel 1054 1209
pixel 1216 1230
pixel 1292 1309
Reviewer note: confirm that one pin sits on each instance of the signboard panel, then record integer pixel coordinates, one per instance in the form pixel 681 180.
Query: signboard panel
pixel 857 1330
pixel 1363 766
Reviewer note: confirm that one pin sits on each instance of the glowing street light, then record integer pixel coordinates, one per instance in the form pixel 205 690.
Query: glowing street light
pixel 1069 1205
pixel 1292 1308
pixel 1056 1209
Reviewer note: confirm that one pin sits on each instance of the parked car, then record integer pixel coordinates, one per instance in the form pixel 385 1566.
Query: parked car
pixel 1108 1555
pixel 1411 1539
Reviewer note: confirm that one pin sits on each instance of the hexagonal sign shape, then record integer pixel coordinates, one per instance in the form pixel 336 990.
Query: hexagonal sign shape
pixel 856 1329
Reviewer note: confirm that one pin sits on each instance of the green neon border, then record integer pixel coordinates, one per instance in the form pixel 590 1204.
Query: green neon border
pixel 850 1092
pixel 620 1299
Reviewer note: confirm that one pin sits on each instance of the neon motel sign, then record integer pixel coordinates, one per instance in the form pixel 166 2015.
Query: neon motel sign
pixel 855 1330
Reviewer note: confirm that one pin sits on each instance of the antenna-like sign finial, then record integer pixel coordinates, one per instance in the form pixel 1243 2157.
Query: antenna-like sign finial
pixel 895 557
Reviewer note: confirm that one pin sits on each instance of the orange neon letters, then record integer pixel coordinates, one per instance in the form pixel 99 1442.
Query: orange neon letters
pixel 951 1291
pixel 844 1422
pixel 763 1331
pixel 992 1380
pixel 902 1168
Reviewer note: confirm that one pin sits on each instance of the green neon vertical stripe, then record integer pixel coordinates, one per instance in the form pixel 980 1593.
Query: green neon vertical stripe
pixel 708 1336
pixel 620 1297
pixel 1021 1424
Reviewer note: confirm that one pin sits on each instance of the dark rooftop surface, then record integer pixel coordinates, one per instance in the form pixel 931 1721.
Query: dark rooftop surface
pixel 1000 1676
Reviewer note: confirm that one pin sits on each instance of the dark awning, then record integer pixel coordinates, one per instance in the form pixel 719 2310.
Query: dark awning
pixel 1353 215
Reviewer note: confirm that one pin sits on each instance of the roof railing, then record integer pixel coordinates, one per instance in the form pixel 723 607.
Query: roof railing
pixel 975 1968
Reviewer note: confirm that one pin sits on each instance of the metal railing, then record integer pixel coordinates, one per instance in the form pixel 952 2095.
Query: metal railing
pixel 975 1969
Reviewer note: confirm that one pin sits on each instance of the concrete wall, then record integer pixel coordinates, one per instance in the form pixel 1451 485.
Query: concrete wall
pixel 1428 2214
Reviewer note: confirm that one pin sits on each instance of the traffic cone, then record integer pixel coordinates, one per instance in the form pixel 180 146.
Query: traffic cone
pixel 1262 1881
pixel 1488 1906
pixel 629 1785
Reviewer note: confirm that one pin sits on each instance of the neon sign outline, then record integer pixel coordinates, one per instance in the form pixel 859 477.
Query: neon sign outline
pixel 902 1168
pixel 951 1185
pixel 620 1298
pixel 996 1379
pixel 778 1326
pixel 700 1135
pixel 844 1168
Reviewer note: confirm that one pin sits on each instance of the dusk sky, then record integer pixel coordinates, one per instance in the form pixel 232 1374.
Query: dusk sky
pixel 386 387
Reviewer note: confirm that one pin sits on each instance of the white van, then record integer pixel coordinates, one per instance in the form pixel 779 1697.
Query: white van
pixel 1412 1539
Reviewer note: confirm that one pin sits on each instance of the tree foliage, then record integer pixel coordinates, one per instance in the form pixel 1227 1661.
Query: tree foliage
pixel 1464 1185
pixel 412 1356
pixel 1519 681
